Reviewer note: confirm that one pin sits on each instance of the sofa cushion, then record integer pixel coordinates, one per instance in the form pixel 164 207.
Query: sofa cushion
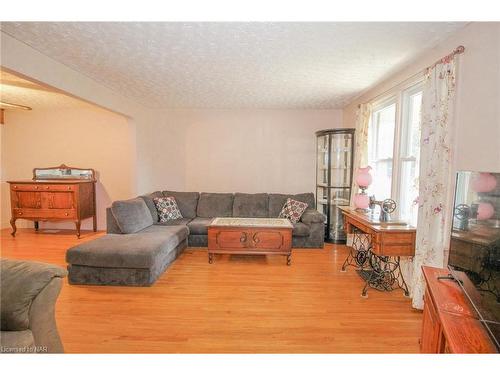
pixel 21 282
pixel 277 201
pixel 148 199
pixel 199 225
pixel 186 201
pixel 132 215
pixel 167 209
pixel 311 216
pixel 293 210
pixel 215 205
pixel 136 250
pixel 301 230
pixel 251 205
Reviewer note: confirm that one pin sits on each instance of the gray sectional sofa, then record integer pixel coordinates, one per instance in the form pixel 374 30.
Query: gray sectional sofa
pixel 138 248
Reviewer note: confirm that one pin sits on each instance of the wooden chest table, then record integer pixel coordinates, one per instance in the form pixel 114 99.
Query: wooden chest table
pixel 230 235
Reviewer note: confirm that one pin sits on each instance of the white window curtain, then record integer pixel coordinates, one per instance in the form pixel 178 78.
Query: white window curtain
pixel 363 116
pixel 436 173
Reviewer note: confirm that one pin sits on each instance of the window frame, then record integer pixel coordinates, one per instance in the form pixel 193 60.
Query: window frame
pixel 400 97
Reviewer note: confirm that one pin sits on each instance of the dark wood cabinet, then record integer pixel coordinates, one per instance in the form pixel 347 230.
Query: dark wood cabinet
pixel 431 341
pixel 449 323
pixel 66 197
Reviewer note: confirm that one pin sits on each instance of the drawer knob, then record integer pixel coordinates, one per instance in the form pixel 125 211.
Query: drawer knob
pixel 20 213
pixel 47 187
pixel 15 186
pixel 36 187
pixel 66 214
pixel 69 187
pixel 243 237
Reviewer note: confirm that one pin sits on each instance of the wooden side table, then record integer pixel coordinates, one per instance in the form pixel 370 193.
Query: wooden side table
pixel 378 248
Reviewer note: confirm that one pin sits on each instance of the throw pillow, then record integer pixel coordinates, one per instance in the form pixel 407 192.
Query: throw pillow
pixel 293 210
pixel 167 209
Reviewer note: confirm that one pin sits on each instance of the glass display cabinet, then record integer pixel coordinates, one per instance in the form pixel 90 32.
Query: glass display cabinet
pixel 334 169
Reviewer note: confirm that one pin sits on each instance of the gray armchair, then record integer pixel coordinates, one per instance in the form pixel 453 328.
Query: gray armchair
pixel 29 291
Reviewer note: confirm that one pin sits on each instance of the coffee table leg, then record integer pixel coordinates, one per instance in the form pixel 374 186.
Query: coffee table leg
pixel 289 259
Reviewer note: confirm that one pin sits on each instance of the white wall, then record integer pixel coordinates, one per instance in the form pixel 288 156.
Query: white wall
pixel 477 123
pixel 244 150
pixel 86 136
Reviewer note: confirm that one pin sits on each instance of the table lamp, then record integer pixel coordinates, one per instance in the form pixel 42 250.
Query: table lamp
pixel 363 179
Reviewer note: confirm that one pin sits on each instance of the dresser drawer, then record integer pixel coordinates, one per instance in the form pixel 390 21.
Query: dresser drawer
pixel 43 213
pixel 43 187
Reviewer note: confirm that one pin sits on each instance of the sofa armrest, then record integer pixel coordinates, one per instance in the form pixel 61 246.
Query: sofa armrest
pixel 312 216
pixel 42 318
pixel 111 224
pixel 29 292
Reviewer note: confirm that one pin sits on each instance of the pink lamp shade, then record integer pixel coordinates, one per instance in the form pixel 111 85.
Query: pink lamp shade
pixel 484 182
pixel 485 211
pixel 363 177
pixel 361 201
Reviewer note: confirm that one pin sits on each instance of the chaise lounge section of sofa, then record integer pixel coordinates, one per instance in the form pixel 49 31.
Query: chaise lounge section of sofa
pixel 137 256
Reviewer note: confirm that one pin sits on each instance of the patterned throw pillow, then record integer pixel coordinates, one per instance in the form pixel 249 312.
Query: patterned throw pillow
pixel 167 209
pixel 293 210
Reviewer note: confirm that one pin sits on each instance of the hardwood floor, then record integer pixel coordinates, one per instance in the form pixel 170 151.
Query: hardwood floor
pixel 239 304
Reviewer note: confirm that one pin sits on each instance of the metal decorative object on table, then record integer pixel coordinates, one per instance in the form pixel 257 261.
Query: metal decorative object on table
pixel 387 207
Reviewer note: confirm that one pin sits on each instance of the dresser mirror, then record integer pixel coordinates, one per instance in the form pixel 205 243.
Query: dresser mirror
pixel 63 172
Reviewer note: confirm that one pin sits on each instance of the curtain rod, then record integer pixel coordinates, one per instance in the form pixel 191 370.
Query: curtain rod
pixel 457 51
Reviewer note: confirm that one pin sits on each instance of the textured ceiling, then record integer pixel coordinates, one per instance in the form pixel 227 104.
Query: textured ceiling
pixel 17 90
pixel 234 65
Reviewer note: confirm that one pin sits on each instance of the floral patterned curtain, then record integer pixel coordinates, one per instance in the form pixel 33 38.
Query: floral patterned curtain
pixel 363 116
pixel 436 173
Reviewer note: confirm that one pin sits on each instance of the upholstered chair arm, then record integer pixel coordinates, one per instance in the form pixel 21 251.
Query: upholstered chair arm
pixel 312 216
pixel 43 321
pixel 29 291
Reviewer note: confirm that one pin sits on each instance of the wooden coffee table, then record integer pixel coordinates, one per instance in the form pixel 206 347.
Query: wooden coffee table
pixel 231 235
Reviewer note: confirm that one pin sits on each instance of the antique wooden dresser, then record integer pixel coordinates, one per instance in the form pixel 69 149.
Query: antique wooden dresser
pixel 55 194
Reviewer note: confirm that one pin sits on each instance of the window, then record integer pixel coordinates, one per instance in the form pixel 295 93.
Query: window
pixel 394 149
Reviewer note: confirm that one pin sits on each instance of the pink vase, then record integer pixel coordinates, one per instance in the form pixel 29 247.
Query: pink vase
pixel 484 182
pixel 363 177
pixel 485 211
pixel 361 200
